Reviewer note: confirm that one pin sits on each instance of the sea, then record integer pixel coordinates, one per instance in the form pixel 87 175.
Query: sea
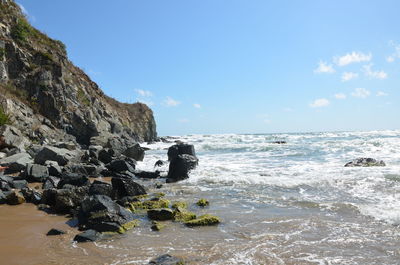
pixel 291 203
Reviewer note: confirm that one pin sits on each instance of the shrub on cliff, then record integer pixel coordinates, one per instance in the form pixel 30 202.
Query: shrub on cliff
pixel 4 118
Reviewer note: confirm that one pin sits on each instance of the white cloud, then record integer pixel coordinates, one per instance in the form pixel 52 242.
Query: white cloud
pixel 170 102
pixel 23 9
pixel 374 74
pixel 144 93
pixel 320 102
pixel 197 106
pixel 361 93
pixel 354 57
pixel 347 76
pixel 340 96
pixel 184 120
pixel 390 59
pixel 381 94
pixel 323 67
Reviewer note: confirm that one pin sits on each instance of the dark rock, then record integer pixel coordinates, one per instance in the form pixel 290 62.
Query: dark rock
pixel 50 183
pixel 180 149
pixel 77 169
pixel 19 184
pixel 55 232
pixel 147 174
pixel 2 197
pixel 87 236
pixel 160 214
pixel 49 197
pixel 36 173
pixel 125 201
pixel 100 188
pixel 53 168
pixel 60 155
pixel 136 152
pixel 365 162
pixel 66 145
pixel 106 155
pixel 16 163
pixel 100 213
pixel 126 187
pixel 279 142
pixel 31 195
pixel 180 167
pixel 167 259
pixel 68 199
pixel 92 170
pixel 6 182
pixel 121 166
pixel 15 198
pixel 159 163
pixel 73 179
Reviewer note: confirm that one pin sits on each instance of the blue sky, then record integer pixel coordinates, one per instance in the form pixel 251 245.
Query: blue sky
pixel 219 66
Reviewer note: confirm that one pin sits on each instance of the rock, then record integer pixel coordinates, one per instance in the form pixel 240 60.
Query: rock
pixel 31 195
pixel 69 199
pixel 203 203
pixel 53 168
pixel 11 137
pixel 73 179
pixel 147 174
pixel 180 149
pixel 183 215
pixel 50 183
pixel 100 188
pixel 121 166
pixel 77 169
pixel 3 198
pixel 60 155
pixel 159 163
pixel 100 213
pixel 19 184
pixel 36 173
pixel 66 145
pixel 155 203
pixel 16 163
pixel 365 162
pixel 179 204
pixel 180 167
pixel 126 187
pixel 55 232
pixel 160 214
pixel 88 236
pixel 157 226
pixel 2 155
pixel 106 155
pixel 136 152
pixel 204 220
pixel 15 198
pixel 49 197
pixel 279 142
pixel 167 259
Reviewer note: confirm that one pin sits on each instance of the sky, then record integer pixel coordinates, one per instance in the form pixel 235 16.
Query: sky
pixel 238 66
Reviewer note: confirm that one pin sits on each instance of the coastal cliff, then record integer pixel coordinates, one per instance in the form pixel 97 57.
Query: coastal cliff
pixel 48 98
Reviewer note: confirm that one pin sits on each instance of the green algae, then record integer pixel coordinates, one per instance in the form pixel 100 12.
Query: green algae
pixel 183 215
pixel 203 203
pixel 179 204
pixel 204 220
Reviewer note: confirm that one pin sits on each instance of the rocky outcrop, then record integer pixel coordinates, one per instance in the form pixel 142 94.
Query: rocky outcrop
pixel 49 99
pixel 365 162
pixel 182 159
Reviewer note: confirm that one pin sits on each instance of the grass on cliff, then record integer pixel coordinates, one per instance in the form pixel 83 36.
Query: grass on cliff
pixel 4 117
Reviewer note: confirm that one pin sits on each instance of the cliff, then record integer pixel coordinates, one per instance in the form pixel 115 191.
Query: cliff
pixel 48 98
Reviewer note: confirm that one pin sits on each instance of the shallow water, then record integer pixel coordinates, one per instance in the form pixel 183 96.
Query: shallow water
pixel 280 204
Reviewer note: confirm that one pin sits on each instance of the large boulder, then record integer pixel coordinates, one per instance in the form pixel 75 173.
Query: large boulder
pixel 126 187
pixel 88 236
pixel 147 174
pixel 67 200
pixel 121 165
pixel 15 198
pixel 101 188
pixel 180 149
pixel 102 214
pixel 50 183
pixel 106 155
pixel 163 214
pixel 136 152
pixel 365 162
pixel 16 163
pixel 180 167
pixel 53 168
pixel 36 173
pixel 31 195
pixel 11 137
pixel 61 155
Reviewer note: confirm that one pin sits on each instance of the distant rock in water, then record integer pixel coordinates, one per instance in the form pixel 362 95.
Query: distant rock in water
pixel 167 259
pixel 279 142
pixel 365 162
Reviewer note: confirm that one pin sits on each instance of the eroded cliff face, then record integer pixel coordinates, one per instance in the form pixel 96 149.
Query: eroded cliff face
pixel 47 97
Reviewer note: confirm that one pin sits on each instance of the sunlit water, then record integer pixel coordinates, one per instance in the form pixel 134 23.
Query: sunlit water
pixel 291 203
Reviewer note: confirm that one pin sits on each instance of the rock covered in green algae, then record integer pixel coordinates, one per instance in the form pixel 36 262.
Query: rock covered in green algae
pixel 179 204
pixel 204 220
pixel 203 203
pixel 154 203
pixel 183 215
pixel 157 226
